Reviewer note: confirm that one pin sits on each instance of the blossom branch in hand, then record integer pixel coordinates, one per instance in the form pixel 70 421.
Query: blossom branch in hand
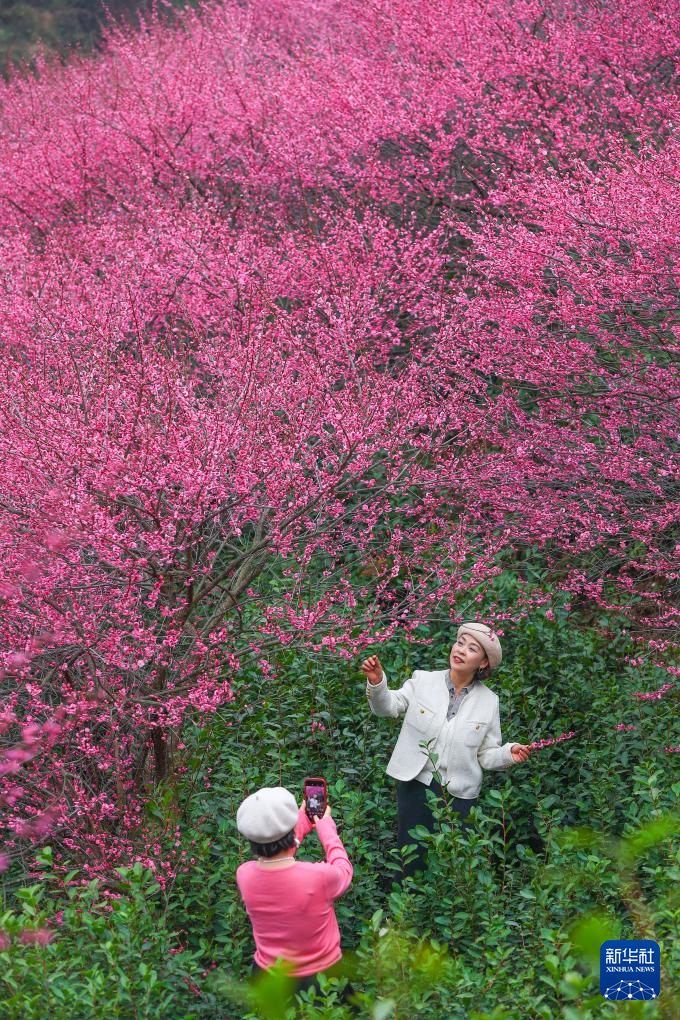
pixel 539 745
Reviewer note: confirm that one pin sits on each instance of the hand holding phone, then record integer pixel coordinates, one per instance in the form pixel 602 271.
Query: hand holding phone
pixel 316 797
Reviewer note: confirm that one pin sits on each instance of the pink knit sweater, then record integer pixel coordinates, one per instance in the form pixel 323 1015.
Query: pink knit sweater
pixel 291 905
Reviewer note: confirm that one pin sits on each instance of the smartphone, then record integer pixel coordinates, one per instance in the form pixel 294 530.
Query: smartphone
pixel 314 792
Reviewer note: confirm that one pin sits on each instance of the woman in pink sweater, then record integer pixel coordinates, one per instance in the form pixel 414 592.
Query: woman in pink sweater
pixel 289 902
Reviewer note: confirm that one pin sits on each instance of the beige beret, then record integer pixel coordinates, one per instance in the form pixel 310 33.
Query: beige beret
pixel 487 638
pixel 267 815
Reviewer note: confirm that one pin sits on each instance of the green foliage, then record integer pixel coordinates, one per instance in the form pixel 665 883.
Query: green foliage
pixel 107 957
pixel 576 846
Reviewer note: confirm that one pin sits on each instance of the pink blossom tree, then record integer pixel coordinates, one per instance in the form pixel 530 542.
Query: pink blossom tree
pixel 292 297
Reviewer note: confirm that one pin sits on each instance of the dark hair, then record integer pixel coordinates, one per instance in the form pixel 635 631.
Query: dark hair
pixel 286 842
pixel 482 673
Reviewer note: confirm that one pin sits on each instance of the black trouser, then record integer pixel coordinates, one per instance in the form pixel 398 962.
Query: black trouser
pixel 413 809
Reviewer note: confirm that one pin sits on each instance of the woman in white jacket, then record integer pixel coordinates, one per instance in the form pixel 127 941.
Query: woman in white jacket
pixel 456 716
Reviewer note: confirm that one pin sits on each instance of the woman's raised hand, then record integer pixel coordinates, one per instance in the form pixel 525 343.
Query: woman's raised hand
pixel 372 668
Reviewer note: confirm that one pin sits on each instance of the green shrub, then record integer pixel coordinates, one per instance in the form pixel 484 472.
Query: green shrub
pixel 576 843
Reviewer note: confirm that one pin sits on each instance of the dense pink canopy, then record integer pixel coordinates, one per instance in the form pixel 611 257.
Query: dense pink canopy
pixel 295 293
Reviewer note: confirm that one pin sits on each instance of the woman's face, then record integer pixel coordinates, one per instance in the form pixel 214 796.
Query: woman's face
pixel 467 655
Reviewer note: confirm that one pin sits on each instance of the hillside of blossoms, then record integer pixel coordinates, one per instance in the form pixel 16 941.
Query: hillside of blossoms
pixel 316 318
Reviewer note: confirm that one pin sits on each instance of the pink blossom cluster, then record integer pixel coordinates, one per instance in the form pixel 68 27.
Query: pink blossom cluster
pixel 27 937
pixel 624 727
pixel 538 745
pixel 653 695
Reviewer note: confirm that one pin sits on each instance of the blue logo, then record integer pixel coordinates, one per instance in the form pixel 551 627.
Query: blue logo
pixel 630 969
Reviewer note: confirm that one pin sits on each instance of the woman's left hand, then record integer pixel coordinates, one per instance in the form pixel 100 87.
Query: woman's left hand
pixel 520 752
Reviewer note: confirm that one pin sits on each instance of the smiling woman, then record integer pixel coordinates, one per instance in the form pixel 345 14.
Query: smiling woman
pixel 451 723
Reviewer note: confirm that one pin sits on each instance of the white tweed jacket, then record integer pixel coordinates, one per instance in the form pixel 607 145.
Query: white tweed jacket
pixel 475 736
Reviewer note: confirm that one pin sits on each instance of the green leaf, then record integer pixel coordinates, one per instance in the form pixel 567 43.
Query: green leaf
pixel 650 835
pixel 588 934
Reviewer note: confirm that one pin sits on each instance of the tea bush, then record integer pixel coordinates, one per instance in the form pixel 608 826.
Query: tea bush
pixel 578 845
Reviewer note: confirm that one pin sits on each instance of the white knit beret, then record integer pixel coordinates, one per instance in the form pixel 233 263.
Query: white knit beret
pixel 487 638
pixel 267 815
